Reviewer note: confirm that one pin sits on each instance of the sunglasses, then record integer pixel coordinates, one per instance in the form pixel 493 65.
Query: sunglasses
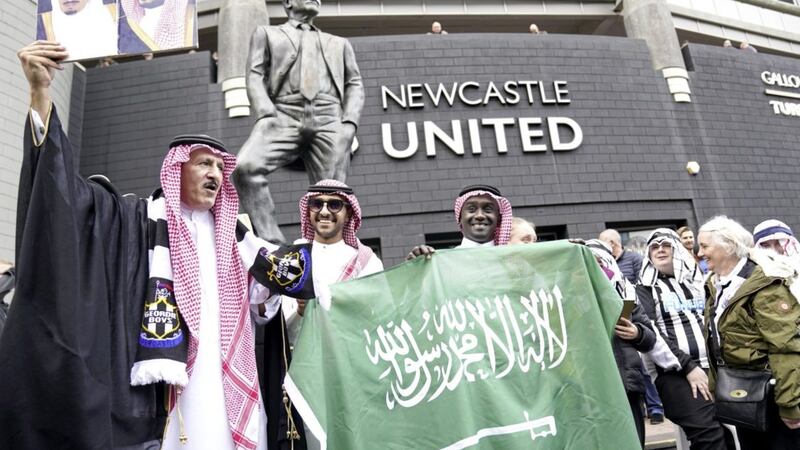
pixel 334 205
pixel 657 245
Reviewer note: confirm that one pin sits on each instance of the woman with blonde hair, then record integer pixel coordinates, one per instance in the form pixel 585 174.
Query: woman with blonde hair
pixel 751 323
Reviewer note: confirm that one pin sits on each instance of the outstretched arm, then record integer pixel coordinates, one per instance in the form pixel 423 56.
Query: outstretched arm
pixel 39 62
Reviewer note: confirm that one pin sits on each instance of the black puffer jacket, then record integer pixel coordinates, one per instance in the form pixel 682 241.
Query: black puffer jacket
pixel 627 352
pixel 630 264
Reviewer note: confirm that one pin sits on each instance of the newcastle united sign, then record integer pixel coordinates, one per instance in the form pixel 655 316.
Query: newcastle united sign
pixel 536 133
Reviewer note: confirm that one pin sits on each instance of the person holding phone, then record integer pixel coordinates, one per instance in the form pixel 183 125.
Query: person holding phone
pixel 631 336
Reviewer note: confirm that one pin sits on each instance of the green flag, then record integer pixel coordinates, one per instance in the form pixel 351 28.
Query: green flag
pixel 501 348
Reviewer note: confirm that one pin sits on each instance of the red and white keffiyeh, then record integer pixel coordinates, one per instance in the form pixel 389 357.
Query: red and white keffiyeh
pixel 350 228
pixel 170 30
pixel 503 231
pixel 240 376
pixel 352 225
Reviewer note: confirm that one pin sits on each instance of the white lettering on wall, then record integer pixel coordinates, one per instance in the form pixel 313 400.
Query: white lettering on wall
pixel 388 146
pixel 537 134
pixel 790 81
pixel 555 138
pixel 780 79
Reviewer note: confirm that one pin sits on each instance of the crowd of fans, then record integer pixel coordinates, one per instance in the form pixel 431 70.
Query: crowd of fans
pixel 728 298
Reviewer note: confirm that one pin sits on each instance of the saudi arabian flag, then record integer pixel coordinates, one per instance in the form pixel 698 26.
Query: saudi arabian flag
pixel 502 348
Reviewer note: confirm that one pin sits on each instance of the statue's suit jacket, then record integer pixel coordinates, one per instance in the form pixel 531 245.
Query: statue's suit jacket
pixel 273 52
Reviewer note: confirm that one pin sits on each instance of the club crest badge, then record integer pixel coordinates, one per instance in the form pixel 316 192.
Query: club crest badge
pixel 161 323
pixel 288 270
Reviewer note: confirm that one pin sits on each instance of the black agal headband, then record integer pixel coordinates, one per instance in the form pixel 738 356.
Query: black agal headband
pixel 192 139
pixel 481 187
pixel 330 189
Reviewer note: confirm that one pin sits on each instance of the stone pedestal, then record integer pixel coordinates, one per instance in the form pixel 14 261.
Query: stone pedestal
pixel 237 20
pixel 651 20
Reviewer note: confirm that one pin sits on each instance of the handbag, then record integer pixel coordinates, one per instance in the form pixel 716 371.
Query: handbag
pixel 744 398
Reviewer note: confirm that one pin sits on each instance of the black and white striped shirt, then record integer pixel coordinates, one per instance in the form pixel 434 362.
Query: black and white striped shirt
pixel 676 310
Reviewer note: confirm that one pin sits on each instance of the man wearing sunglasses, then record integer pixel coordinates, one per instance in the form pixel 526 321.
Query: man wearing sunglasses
pixel 330 217
pixel 671 292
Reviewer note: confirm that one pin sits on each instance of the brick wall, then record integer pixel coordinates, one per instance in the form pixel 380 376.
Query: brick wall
pixel 750 156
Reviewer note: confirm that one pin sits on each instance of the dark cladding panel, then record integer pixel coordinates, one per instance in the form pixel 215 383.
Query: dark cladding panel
pixel 630 165
pixel 749 154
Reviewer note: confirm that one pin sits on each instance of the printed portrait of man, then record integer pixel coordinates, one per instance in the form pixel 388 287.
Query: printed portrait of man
pixel 152 25
pixel 86 28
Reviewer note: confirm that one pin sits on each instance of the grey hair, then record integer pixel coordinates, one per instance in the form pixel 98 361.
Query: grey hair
pixel 729 234
pixel 520 221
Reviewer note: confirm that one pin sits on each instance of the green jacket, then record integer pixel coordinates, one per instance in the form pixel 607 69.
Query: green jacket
pixel 761 328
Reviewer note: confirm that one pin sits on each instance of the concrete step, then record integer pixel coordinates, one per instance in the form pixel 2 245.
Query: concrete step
pixel 661 436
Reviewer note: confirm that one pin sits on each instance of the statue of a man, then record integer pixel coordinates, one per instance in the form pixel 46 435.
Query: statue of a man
pixel 305 89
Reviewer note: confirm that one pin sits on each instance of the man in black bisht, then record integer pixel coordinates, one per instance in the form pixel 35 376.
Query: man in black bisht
pixel 104 338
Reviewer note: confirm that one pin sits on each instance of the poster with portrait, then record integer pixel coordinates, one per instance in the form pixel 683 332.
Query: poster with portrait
pixel 91 29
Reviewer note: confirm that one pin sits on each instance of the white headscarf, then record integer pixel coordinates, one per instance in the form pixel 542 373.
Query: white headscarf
pixel 775 230
pixel 684 266
pixel 90 33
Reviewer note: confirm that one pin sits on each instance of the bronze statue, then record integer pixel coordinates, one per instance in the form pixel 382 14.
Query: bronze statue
pixel 305 89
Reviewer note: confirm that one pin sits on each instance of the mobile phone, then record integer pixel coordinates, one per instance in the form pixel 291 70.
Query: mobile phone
pixel 627 308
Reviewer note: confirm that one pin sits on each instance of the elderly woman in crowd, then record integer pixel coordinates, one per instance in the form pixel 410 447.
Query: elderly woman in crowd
pixel 630 336
pixel 756 319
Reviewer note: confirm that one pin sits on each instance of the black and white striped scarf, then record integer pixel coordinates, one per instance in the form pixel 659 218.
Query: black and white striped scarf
pixel 164 336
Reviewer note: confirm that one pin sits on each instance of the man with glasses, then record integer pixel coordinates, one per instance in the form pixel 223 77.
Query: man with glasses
pixel 671 292
pixel 330 217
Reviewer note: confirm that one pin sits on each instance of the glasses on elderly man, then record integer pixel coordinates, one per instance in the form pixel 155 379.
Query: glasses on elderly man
pixel 334 204
pixel 662 244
